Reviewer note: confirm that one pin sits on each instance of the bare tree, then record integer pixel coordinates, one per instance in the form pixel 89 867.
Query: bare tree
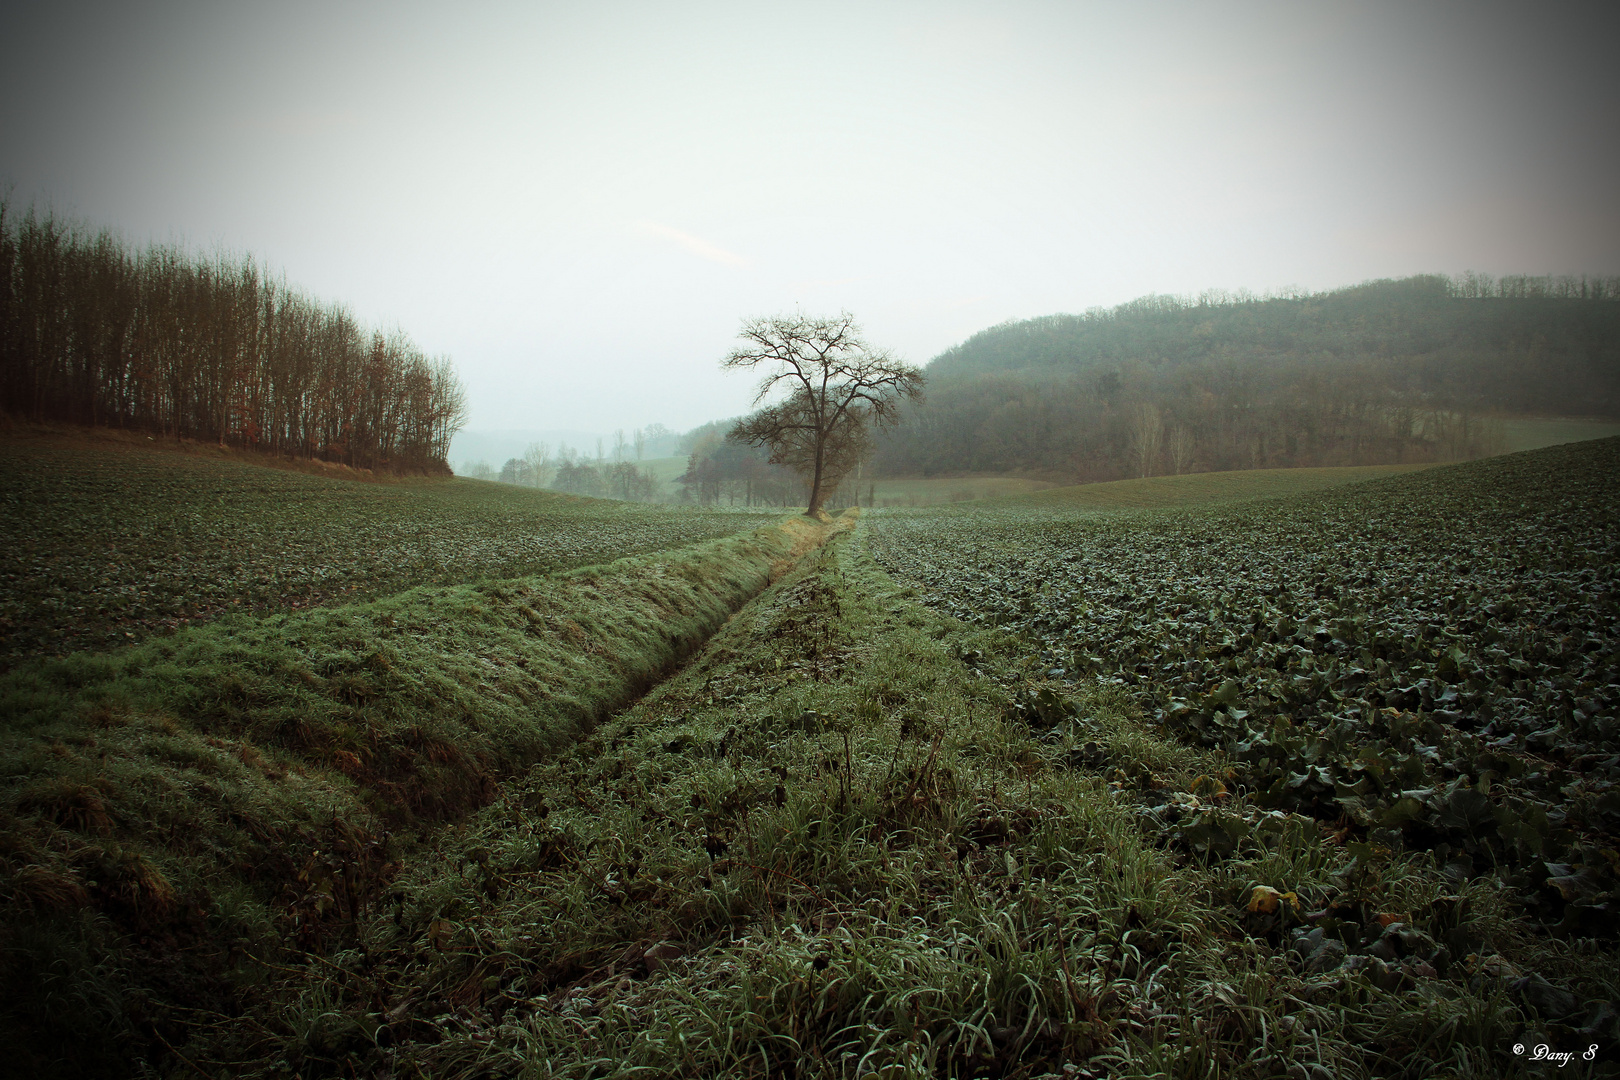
pixel 538 459
pixel 839 388
pixel 1147 432
pixel 619 444
pixel 639 441
pixel 211 349
pixel 1182 446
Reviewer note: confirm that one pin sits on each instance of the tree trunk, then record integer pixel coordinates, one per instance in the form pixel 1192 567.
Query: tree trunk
pixel 815 482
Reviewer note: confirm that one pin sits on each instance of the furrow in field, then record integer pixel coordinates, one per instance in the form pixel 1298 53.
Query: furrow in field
pixel 248 784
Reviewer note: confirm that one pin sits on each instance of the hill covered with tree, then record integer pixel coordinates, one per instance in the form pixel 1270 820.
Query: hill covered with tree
pixel 1389 371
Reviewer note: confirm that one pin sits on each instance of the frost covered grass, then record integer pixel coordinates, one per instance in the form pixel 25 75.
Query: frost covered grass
pixel 1299 788
pixel 246 787
pixel 856 837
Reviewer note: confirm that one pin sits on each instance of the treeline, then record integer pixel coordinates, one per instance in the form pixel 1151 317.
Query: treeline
pixel 568 471
pixel 92 332
pixel 719 472
pixel 722 471
pixel 1390 371
pixel 607 480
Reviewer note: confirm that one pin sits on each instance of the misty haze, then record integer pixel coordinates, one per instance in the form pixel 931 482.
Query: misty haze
pixel 826 541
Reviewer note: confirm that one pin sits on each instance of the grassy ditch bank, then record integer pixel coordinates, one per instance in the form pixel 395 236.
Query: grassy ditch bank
pixel 859 838
pixel 176 815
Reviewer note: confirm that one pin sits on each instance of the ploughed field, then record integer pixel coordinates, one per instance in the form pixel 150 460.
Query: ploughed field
pixel 1426 663
pixel 101 546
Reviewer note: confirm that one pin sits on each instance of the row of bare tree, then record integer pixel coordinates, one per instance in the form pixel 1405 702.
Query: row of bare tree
pixel 725 471
pixel 217 350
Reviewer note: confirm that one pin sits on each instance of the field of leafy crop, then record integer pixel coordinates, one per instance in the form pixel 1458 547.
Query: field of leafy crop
pixel 103 546
pixel 1424 663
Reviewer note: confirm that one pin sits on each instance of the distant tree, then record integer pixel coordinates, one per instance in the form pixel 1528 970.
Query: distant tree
pixel 625 481
pixel 1386 371
pixel 660 441
pixel 701 480
pixel 714 431
pixel 1146 434
pixel 639 440
pixel 578 478
pixel 537 458
pixel 478 470
pixel 839 388
pixel 1181 448
pixel 722 468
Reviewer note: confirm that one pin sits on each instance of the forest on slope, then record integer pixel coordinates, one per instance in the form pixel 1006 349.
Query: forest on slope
pixel 1406 370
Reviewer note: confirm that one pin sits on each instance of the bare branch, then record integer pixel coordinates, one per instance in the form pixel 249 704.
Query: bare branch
pixel 839 389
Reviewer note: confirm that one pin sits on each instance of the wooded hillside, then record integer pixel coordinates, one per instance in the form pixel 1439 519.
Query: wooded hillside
pixel 92 332
pixel 1389 371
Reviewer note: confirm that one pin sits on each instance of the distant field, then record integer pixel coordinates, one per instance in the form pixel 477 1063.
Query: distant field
pixel 932 492
pixel 1532 433
pixel 1200 489
pixel 102 544
pixel 665 470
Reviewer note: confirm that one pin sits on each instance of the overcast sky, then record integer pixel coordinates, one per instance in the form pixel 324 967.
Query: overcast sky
pixel 579 203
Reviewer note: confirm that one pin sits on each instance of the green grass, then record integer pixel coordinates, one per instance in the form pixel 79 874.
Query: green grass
pixel 1240 776
pixel 248 786
pixel 665 471
pixel 106 543
pixel 811 843
pixel 857 837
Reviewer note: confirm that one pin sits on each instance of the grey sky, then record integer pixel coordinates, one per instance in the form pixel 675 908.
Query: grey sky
pixel 580 202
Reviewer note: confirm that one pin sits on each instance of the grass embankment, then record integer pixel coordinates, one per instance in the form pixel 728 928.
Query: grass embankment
pixel 107 540
pixel 858 838
pixel 173 809
pixel 820 844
